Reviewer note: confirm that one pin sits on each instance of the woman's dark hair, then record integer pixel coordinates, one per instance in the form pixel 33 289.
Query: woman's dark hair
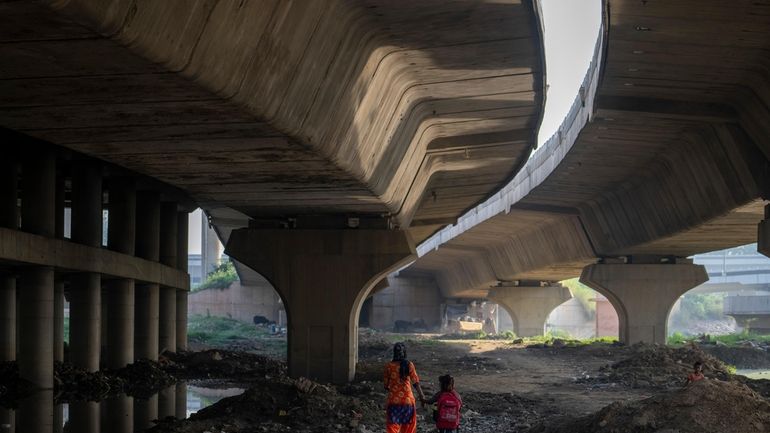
pixel 399 355
pixel 447 382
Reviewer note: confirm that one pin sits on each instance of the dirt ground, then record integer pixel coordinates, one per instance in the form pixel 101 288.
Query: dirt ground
pixel 505 388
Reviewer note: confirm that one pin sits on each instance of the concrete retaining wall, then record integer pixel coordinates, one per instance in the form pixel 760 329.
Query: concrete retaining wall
pixel 238 302
pixel 407 299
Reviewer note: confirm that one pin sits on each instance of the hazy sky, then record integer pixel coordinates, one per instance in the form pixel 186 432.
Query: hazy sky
pixel 571 27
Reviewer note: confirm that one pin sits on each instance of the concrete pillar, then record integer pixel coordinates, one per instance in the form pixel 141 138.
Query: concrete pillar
pixel 120 294
pixel 147 295
pixel 763 234
pixel 35 326
pixel 167 402
pixel 38 194
pixel 181 400
pixel 181 320
pixel 7 317
pixel 529 306
pixel 58 418
pixel 121 230
pixel 9 192
pixel 35 413
pixel 84 417
pixel 58 320
pixel 120 300
pixel 183 223
pixel 145 411
pixel 148 225
pixel 7 419
pixel 60 206
pixel 118 414
pixel 85 320
pixel 168 233
pixel 146 322
pixel 167 320
pixel 643 294
pixel 323 277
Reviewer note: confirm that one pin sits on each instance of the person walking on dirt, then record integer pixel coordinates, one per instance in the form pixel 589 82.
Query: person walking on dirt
pixel 448 404
pixel 400 375
pixel 697 373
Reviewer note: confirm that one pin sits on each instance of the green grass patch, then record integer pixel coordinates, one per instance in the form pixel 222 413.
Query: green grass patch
pixel 220 331
pixel 583 293
pixel 677 339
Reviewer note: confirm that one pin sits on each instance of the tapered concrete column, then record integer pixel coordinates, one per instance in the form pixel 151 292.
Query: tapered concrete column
pixel 183 223
pixel 9 190
pixel 167 320
pixel 181 400
pixel 118 414
pixel 85 320
pixel 84 417
pixel 58 418
pixel 323 277
pixel 643 294
pixel 121 230
pixel 58 320
pixel 35 413
pixel 181 320
pixel 146 322
pixel 145 411
pixel 35 326
pixel 120 300
pixel 529 306
pixel 7 317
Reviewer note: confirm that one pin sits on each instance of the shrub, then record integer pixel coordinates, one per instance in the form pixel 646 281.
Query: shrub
pixel 220 278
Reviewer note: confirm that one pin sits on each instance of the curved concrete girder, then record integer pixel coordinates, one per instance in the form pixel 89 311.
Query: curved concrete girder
pixel 672 162
pixel 529 307
pixel 361 85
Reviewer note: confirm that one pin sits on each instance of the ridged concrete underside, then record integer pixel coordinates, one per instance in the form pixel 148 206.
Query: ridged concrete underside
pixel 278 108
pixel 673 161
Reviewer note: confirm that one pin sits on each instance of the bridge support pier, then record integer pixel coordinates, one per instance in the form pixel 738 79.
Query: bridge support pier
pixel 323 277
pixel 643 294
pixel 529 306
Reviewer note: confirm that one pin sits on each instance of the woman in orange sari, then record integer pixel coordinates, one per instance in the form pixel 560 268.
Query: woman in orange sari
pixel 399 378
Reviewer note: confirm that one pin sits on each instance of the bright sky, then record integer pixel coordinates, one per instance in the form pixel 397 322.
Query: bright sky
pixel 571 27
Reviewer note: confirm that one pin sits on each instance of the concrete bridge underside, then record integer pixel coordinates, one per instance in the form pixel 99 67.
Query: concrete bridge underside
pixel 392 116
pixel 664 155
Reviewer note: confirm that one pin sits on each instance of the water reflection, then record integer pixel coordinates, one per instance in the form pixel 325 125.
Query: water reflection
pixel 117 414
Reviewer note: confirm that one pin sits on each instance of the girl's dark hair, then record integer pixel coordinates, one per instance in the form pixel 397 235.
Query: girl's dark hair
pixel 447 382
pixel 399 355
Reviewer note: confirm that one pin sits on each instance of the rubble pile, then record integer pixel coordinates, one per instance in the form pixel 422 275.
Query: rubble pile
pixel 143 378
pixel 283 404
pixel 221 364
pixel 707 406
pixel 655 366
pixel 73 383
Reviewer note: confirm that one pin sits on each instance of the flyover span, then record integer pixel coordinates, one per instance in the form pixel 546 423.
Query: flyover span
pixel 323 139
pixel 664 155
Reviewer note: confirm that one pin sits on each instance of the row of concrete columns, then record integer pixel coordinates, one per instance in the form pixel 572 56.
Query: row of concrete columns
pixel 117 414
pixel 128 319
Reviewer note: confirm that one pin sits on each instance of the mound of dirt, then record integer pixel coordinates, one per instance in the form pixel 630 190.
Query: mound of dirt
pixel 284 404
pixel 143 378
pixel 741 357
pixel 77 384
pixel 654 366
pixel 221 364
pixel 707 406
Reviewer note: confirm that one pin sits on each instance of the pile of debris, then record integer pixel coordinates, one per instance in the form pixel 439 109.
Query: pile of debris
pixel 655 366
pixel 707 406
pixel 143 378
pixel 282 404
pixel 221 364
pixel 73 383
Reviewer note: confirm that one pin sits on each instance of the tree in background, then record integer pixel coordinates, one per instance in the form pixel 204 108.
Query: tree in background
pixel 220 278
